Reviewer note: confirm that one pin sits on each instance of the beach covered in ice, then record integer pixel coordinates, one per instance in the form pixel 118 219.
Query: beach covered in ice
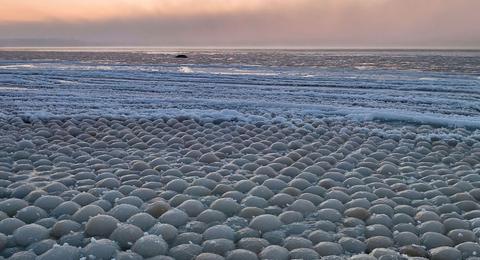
pixel 184 189
pixel 105 156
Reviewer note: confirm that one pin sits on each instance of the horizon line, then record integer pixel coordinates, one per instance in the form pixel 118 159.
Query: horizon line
pixel 245 47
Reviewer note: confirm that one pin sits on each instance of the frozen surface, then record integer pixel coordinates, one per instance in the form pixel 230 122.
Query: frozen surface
pixel 100 158
pixel 439 88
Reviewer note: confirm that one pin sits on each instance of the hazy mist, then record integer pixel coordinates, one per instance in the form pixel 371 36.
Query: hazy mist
pixel 250 23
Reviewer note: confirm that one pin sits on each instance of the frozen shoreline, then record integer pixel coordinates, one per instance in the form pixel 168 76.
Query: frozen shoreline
pixel 122 84
pixel 206 115
pixel 113 187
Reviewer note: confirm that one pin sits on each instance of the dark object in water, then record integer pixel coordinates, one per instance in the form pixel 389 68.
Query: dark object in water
pixel 181 56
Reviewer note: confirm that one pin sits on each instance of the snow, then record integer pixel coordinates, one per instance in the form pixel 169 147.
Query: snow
pixel 17 66
pixel 13 88
pixel 185 69
pixel 420 118
pixel 428 79
pixel 364 67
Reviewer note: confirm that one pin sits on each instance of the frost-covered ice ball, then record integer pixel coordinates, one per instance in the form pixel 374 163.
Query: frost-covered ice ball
pixel 64 227
pixel 265 223
pixel 274 252
pixel 303 206
pixel 150 246
pixel 101 249
pixel 177 185
pixel 192 207
pixel 218 246
pixel 209 158
pixel 12 205
pixel 174 217
pixel 328 248
pixel 29 234
pixel 166 231
pixel 101 225
pixel 219 231
pixel 31 214
pixel 48 202
pixel 253 244
pixel 64 252
pixel 123 211
pixel 209 256
pixel 445 253
pixel 142 220
pixel 226 205
pixel 352 245
pixel 126 235
pixel 304 253
pixel 378 242
pixel 240 254
pixel 157 208
pixel 185 251
pixel 86 212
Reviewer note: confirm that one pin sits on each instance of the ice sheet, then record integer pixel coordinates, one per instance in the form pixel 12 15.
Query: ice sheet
pixel 64 87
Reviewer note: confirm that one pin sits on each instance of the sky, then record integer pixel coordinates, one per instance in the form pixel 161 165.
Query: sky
pixel 242 23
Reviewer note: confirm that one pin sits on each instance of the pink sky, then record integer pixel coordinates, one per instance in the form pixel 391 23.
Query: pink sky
pixel 274 23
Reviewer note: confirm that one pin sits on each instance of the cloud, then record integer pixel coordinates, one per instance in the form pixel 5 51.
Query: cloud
pixel 314 23
pixel 101 10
